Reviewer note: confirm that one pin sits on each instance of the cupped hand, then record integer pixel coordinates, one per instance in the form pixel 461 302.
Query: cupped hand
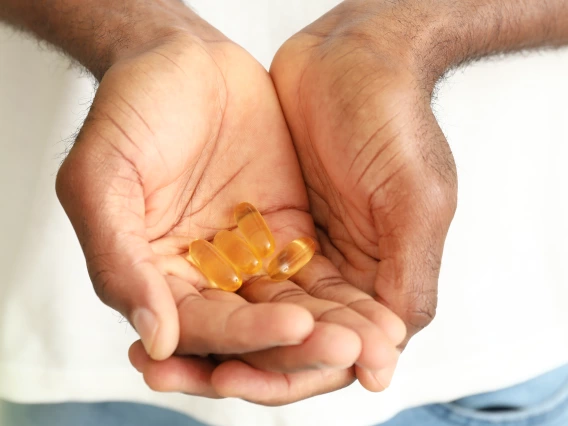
pixel 380 176
pixel 178 134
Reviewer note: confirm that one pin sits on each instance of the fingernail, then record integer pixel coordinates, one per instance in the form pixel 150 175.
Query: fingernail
pixel 146 325
pixel 384 376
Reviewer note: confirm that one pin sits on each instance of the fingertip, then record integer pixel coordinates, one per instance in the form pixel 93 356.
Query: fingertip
pixel 369 380
pixel 161 379
pixel 385 376
pixel 151 309
pixel 167 335
pixel 167 338
pixel 378 353
pixel 375 381
pixel 379 314
pixel 137 356
pixel 159 335
pixel 395 329
pixel 343 346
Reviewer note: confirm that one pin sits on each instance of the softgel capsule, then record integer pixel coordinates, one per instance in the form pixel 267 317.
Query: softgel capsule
pixel 291 259
pixel 254 229
pixel 218 270
pixel 231 255
pixel 238 252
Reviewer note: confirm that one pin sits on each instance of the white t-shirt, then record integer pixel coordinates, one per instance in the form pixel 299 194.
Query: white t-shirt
pixel 504 284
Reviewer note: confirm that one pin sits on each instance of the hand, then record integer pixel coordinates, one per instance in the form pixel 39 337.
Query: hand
pixel 179 132
pixel 114 193
pixel 380 176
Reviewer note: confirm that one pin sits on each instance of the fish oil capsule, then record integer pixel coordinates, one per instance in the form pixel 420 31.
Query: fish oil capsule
pixel 254 229
pixel 218 270
pixel 291 259
pixel 237 251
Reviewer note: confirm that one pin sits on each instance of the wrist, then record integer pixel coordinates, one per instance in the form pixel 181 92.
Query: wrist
pixel 401 36
pixel 430 36
pixel 159 22
pixel 131 33
pixel 416 41
pixel 98 33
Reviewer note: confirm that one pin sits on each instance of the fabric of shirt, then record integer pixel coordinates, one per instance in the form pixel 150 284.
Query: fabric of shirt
pixel 502 315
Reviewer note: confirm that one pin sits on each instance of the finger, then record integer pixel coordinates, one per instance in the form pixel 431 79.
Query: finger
pixel 179 267
pixel 171 245
pixel 191 375
pixel 375 381
pixel 222 296
pixel 329 346
pixel 238 380
pixel 225 324
pixel 138 356
pixel 104 199
pixel 377 349
pixel 322 280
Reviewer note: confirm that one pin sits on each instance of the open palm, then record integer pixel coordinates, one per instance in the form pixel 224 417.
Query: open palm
pixel 176 137
pixel 380 175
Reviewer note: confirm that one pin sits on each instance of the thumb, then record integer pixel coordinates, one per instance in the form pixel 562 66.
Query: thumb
pixel 102 193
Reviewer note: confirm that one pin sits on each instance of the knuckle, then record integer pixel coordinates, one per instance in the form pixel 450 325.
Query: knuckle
pixel 441 198
pixel 62 183
pixel 420 311
pixel 323 285
pixel 419 319
pixel 102 279
pixel 435 150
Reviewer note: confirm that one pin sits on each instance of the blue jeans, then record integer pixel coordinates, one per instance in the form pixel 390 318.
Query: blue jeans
pixel 539 402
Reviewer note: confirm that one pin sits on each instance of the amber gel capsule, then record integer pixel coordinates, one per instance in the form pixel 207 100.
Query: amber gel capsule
pixel 254 229
pixel 291 259
pixel 234 248
pixel 218 270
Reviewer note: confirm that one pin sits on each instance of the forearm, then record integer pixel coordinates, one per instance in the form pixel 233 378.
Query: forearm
pixel 434 35
pixel 99 32
pixel 470 29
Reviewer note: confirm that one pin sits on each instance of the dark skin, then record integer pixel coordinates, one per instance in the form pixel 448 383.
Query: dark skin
pixel 380 175
pixel 369 166
pixel 180 131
